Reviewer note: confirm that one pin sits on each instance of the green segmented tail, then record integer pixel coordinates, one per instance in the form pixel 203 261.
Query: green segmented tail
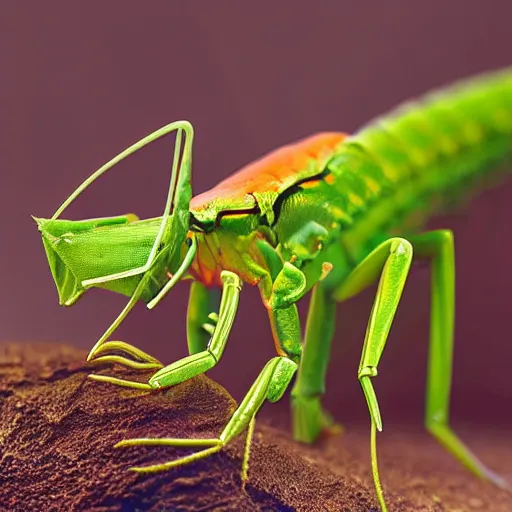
pixel 471 118
pixel 425 153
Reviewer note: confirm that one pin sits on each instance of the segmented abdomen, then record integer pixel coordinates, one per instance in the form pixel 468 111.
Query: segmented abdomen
pixel 422 154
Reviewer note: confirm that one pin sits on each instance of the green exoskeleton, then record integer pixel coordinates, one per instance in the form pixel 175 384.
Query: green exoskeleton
pixel 331 215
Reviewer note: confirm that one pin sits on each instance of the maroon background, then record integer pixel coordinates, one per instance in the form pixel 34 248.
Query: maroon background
pixel 82 80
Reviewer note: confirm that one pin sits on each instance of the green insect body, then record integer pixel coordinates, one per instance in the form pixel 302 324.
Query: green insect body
pixel 331 214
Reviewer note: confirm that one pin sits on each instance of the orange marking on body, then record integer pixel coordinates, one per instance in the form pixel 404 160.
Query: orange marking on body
pixel 330 179
pixel 272 171
pixel 310 184
pixel 326 268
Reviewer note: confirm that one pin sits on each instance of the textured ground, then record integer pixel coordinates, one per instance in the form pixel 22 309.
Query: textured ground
pixel 57 430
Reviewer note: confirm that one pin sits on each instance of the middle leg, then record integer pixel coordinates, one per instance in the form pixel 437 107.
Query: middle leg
pixel 281 285
pixel 438 248
pixel 270 385
pixel 391 260
pixel 309 418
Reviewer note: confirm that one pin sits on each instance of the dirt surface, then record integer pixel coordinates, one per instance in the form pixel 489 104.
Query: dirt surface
pixel 58 428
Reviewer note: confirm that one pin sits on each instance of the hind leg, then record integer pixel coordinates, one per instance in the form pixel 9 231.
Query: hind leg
pixel 437 246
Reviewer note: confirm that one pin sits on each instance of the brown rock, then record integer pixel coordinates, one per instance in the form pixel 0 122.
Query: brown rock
pixel 58 429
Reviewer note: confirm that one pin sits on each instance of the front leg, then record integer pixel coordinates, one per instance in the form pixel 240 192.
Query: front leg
pixel 199 362
pixel 270 385
pixel 200 327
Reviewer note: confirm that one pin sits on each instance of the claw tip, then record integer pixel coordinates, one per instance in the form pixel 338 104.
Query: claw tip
pixel 154 384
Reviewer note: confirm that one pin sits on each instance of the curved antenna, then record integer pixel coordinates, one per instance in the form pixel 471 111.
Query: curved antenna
pixel 184 166
pixel 168 128
pixel 178 199
pixel 187 261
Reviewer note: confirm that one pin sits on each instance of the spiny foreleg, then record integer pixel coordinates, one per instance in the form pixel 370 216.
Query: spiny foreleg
pixel 201 323
pixel 199 361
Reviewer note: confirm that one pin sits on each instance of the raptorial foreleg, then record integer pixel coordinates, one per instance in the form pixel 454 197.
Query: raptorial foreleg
pixel 201 361
pixel 201 322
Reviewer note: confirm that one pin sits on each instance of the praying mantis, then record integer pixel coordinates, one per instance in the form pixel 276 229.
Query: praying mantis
pixel 329 215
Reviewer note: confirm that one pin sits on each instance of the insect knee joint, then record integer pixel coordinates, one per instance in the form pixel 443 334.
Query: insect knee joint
pixel 367 371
